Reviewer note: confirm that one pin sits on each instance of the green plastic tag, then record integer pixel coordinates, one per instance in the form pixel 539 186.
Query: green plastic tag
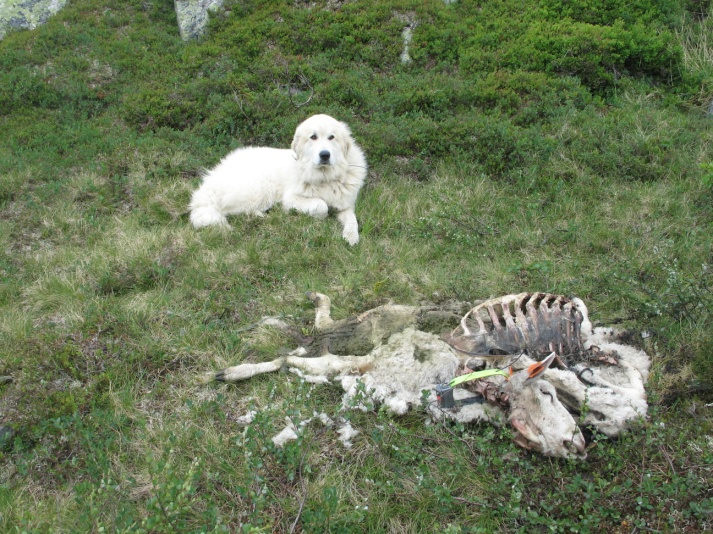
pixel 478 374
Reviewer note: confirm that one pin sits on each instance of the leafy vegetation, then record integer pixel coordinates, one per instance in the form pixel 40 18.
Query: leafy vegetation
pixel 546 146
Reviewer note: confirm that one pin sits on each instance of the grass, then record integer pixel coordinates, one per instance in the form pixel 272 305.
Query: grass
pixel 494 169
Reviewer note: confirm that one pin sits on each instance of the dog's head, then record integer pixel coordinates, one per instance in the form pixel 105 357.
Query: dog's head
pixel 323 141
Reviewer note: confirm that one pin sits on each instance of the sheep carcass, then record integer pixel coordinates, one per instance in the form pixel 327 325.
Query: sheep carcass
pixel 600 377
pixel 405 361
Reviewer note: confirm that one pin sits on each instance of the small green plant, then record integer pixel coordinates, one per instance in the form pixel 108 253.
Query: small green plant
pixel 675 293
pixel 93 503
pixel 676 301
pixel 171 497
pixel 707 177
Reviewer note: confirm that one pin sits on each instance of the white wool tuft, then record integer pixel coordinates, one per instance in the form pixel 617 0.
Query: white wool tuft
pixel 247 418
pixel 310 379
pixel 607 340
pixel 289 433
pixel 346 433
pixel 275 322
pixel 324 418
pixel 397 405
pixel 408 363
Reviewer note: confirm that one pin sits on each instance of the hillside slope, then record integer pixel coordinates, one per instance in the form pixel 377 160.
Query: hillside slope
pixel 547 146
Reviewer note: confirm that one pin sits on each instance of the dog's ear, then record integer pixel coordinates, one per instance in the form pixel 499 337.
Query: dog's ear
pixel 345 138
pixel 298 143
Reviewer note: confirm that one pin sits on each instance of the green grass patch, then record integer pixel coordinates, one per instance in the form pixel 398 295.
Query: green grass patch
pixel 554 146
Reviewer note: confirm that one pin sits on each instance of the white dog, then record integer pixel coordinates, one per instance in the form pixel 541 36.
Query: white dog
pixel 325 168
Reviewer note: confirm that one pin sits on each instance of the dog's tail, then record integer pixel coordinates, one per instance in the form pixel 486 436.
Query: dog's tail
pixel 204 210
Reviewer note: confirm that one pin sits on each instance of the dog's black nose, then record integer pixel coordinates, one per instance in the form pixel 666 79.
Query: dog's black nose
pixel 324 155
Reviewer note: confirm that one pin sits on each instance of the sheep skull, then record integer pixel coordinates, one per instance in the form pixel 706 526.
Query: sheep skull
pixel 540 420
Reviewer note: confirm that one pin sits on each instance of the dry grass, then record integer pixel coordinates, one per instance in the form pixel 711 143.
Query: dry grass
pixel 695 37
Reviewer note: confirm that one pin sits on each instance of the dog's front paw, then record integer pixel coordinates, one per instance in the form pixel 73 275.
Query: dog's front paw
pixel 352 236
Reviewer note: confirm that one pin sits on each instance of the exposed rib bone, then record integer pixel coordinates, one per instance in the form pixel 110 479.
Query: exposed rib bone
pixel 537 322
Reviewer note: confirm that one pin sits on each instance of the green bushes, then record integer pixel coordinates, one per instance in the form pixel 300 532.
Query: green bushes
pixel 607 12
pixel 508 62
pixel 264 67
pixel 598 42
pixel 161 107
pixel 598 55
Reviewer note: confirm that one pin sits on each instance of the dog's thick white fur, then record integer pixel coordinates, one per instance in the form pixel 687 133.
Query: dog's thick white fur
pixel 325 168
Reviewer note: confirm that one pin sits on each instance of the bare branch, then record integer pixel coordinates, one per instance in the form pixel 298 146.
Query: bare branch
pixel 304 81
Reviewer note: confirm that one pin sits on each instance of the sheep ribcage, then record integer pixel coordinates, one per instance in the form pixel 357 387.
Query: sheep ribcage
pixel 536 322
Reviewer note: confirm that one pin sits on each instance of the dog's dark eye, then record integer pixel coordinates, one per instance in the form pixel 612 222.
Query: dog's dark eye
pixel 313 137
pixel 330 137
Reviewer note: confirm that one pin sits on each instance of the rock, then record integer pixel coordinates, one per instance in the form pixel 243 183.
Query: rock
pixel 407 35
pixel 26 14
pixel 193 16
